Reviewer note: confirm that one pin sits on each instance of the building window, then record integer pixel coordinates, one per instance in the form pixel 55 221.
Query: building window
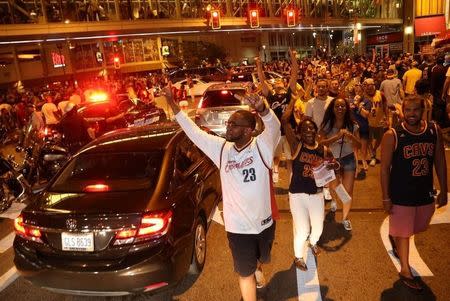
pixel 28 55
pixel 429 7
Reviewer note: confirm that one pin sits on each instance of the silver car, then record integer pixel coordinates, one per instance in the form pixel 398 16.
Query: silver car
pixel 217 105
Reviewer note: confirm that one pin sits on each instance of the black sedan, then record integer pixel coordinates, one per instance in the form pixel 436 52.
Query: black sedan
pixel 105 116
pixel 128 214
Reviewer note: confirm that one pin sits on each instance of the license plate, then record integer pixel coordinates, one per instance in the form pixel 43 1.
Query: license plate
pixel 83 242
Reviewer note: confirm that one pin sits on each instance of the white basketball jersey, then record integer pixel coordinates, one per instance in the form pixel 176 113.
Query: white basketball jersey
pixel 245 182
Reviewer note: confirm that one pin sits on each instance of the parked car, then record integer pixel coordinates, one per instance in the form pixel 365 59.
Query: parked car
pixel 271 77
pixel 97 114
pixel 199 86
pixel 205 73
pixel 128 214
pixel 217 105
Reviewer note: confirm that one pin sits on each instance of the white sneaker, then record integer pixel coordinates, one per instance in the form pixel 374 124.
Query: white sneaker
pixel 275 177
pixel 260 280
pixel 347 224
pixel 373 162
pixel 333 206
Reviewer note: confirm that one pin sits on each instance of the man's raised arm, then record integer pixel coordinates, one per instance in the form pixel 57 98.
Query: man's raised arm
pixel 209 144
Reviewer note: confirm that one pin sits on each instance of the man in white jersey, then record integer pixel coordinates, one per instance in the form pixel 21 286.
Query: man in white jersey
pixel 244 162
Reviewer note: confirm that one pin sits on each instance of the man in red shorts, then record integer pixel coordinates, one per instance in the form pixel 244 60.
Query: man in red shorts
pixel 408 153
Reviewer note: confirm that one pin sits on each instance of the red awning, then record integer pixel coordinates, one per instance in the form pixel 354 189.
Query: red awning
pixel 429 26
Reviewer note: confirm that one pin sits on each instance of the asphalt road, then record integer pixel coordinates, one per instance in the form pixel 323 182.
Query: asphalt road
pixel 354 265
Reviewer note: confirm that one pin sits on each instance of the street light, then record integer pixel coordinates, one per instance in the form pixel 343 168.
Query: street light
pixel 408 32
pixel 264 50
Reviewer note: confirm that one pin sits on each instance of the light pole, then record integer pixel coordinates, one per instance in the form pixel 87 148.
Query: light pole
pixel 408 32
pixel 264 50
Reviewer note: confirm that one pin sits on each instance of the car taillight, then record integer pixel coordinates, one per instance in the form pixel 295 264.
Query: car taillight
pixel 96 188
pixel 26 231
pixel 153 225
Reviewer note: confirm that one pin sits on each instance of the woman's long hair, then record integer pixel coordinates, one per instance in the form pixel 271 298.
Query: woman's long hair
pixel 329 118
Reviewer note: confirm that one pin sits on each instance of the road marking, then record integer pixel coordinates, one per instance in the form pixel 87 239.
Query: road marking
pixel 217 216
pixel 8 278
pixel 418 266
pixel 13 211
pixel 7 242
pixel 308 287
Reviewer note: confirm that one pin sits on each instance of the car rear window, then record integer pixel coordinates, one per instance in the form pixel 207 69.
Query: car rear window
pixel 119 171
pixel 221 98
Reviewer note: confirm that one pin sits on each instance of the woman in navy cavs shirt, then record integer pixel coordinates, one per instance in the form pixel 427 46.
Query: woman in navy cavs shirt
pixel 306 200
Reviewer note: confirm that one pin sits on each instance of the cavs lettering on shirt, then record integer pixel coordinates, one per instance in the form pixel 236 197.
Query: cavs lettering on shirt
pixel 309 159
pixel 418 150
pixel 238 165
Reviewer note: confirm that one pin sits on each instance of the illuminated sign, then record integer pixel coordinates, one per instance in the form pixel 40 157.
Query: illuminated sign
pixel 165 50
pixel 99 57
pixel 58 60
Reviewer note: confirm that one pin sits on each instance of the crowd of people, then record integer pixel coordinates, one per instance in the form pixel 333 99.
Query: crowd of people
pixel 332 112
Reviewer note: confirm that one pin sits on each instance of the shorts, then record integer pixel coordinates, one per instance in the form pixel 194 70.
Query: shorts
pixel 405 221
pixel 364 132
pixel 348 163
pixel 248 249
pixel 376 132
pixel 283 147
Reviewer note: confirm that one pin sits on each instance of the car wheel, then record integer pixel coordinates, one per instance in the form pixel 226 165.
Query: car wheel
pixel 199 253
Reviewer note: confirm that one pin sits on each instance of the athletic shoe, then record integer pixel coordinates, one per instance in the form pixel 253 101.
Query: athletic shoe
pixel 260 280
pixel 361 175
pixel 373 162
pixel 333 206
pixel 275 177
pixel 347 224
pixel 315 250
pixel 300 264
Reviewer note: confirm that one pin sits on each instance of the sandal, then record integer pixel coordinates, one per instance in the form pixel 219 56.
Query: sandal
pixel 361 175
pixel 411 283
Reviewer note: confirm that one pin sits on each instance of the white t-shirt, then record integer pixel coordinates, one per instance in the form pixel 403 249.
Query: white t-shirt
pixel 315 108
pixel 49 109
pixel 62 106
pixel 244 174
pixel 75 99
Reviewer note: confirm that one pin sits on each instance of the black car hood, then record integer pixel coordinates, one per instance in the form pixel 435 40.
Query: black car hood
pixel 100 202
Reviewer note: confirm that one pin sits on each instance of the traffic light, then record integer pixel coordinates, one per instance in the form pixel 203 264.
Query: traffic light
pixel 290 18
pixel 116 62
pixel 254 18
pixel 215 19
